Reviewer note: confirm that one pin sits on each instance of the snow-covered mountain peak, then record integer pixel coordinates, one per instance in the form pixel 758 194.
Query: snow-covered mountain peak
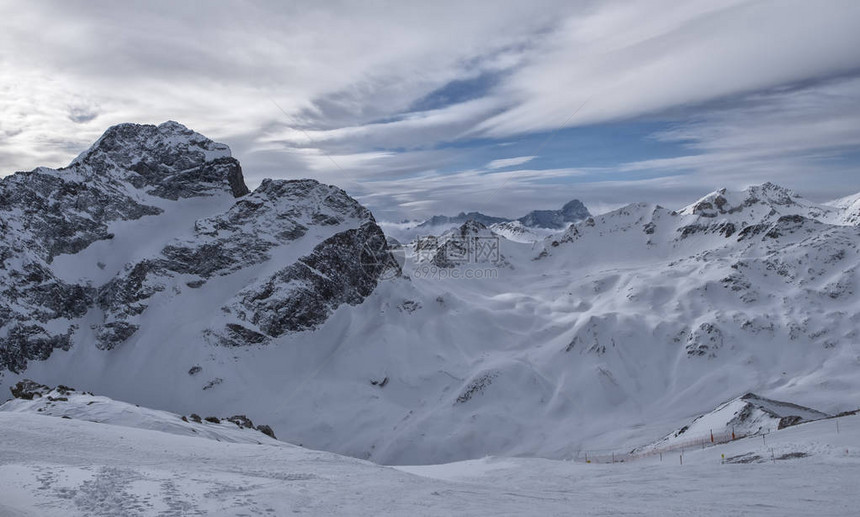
pixel 305 198
pixel 168 160
pixel 127 143
pixel 148 216
pixel 723 201
pixel 470 228
pixel 516 231
pixel 749 414
pixel 634 215
pixel 755 204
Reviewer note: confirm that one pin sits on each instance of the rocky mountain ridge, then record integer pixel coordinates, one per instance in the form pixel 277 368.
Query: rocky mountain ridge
pixel 573 211
pixel 137 171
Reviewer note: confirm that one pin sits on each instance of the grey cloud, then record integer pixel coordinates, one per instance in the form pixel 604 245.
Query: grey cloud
pixel 744 80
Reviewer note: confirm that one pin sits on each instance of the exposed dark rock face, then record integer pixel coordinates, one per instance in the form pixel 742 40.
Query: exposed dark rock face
pixel 27 390
pixel 46 212
pixel 134 171
pixel 263 428
pixel 344 268
pixel 57 212
pixel 168 161
pixel 704 340
pixel 276 214
pixel 24 342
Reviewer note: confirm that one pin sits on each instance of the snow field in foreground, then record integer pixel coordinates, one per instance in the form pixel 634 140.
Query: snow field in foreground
pixel 51 466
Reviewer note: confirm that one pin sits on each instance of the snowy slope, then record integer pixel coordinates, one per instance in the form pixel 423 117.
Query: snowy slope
pixel 747 415
pixel 57 467
pixel 848 209
pixel 517 232
pixel 67 403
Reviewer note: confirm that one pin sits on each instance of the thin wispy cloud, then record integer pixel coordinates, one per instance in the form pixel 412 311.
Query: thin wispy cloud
pixel 509 162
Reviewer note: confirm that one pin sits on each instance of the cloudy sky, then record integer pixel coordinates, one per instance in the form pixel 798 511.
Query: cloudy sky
pixel 419 108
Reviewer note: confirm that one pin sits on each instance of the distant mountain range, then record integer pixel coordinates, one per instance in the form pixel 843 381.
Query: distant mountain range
pixel 572 212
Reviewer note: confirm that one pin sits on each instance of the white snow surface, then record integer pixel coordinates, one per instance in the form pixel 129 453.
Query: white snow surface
pixel 99 409
pixel 742 416
pixel 517 232
pixel 56 467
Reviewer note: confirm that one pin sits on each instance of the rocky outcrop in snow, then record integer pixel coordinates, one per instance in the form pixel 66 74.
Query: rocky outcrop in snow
pixel 68 403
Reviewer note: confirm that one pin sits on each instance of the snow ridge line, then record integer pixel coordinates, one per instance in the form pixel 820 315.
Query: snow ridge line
pixel 701 442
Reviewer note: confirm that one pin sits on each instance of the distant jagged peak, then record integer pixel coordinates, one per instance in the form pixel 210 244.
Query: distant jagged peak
pixel 462 217
pixel 575 206
pixel 470 228
pixel 572 211
pixel 631 212
pixel 771 192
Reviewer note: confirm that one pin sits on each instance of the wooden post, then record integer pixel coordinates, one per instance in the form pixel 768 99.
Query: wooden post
pixel 712 436
pixel 837 426
pixel 661 456
pixel 763 440
pixel 681 458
